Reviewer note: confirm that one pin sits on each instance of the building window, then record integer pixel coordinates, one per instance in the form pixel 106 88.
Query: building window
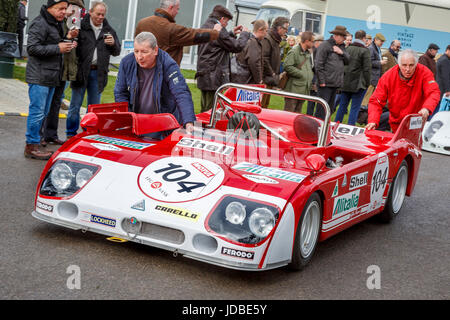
pixel 312 22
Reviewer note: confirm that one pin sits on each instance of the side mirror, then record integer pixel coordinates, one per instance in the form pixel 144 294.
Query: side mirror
pixel 315 163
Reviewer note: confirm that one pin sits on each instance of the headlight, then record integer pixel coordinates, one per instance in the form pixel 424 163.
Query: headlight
pixel 235 212
pixel 66 177
pixel 243 220
pixel 261 222
pixel 83 176
pixel 61 176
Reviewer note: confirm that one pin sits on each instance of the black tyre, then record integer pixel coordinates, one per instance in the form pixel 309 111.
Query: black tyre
pixel 307 234
pixel 397 194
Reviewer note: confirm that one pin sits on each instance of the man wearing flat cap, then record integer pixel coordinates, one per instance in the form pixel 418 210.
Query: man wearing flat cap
pixel 330 60
pixel 45 48
pixel 427 59
pixel 213 64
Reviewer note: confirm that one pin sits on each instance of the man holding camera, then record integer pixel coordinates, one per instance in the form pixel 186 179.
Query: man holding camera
pixel 45 48
pixel 97 41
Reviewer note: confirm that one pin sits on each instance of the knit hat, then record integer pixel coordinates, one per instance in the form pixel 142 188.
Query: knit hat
pixel 51 3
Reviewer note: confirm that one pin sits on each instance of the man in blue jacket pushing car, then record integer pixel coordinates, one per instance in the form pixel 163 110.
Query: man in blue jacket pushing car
pixel 151 82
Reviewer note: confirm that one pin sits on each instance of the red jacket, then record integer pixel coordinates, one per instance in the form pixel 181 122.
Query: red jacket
pixel 404 97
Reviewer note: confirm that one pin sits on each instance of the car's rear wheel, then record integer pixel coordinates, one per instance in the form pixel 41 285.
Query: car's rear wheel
pixel 397 194
pixel 307 234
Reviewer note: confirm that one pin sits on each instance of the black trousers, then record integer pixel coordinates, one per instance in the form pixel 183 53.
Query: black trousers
pixel 329 95
pixel 49 129
pixel 20 38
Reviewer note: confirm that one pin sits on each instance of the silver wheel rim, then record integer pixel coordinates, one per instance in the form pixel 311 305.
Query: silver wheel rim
pixel 399 189
pixel 310 229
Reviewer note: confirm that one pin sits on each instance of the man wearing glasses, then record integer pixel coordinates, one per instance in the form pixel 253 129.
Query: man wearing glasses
pixel 391 56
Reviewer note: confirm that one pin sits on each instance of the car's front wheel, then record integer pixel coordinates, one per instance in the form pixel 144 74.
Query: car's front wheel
pixel 307 234
pixel 397 194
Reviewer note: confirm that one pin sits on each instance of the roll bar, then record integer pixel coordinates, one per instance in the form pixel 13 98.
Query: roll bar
pixel 323 131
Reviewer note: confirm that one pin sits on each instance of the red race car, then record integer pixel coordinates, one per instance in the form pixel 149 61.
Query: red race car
pixel 248 188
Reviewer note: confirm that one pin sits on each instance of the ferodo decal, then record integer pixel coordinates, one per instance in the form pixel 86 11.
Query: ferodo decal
pixel 179 179
pixel 177 212
pixel 269 172
pixel 44 206
pixel 249 255
pixel 345 204
pixel 379 181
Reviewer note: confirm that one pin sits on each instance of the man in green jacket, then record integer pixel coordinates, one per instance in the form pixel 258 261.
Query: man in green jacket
pixel 298 66
pixel 356 78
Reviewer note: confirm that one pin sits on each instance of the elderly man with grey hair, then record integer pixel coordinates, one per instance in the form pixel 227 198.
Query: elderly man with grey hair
pixel 409 87
pixel 151 82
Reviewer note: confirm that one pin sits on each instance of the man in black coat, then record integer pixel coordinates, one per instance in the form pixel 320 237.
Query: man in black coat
pixel 331 57
pixel 97 42
pixel 44 69
pixel 213 65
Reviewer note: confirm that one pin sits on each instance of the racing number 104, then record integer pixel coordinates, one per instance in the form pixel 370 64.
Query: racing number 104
pixel 379 180
pixel 176 173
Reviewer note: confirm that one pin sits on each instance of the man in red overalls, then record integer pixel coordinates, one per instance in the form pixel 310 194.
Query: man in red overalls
pixel 408 87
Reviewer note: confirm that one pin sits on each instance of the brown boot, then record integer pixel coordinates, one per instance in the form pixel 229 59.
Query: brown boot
pixel 32 151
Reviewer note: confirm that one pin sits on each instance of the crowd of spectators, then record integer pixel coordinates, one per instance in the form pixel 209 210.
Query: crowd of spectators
pixel 67 44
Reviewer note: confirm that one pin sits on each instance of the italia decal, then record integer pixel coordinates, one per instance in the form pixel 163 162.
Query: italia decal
pixel 120 142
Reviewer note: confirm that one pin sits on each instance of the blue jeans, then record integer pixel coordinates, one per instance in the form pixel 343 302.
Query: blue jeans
pixel 93 97
pixel 357 98
pixel 40 100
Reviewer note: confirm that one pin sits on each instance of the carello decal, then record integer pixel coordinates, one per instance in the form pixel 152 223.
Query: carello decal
pixel 345 203
pixel 178 212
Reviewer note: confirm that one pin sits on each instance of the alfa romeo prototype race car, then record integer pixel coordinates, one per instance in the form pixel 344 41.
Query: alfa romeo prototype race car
pixel 248 188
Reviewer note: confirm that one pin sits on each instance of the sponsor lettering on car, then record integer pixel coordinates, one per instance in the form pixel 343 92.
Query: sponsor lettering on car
pixel 44 206
pixel 204 145
pixel 269 172
pixel 345 203
pixel 359 180
pixel 177 212
pixel 249 255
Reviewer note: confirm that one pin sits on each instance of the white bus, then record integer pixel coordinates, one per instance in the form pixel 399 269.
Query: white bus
pixel 415 23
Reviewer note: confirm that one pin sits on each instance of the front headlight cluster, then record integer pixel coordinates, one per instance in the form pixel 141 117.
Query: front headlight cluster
pixel 66 177
pixel 243 220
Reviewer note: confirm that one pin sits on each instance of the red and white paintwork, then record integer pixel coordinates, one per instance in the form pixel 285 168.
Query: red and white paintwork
pixel 124 179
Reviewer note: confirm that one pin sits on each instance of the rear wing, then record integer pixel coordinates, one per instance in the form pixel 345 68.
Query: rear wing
pixel 410 129
pixel 114 117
